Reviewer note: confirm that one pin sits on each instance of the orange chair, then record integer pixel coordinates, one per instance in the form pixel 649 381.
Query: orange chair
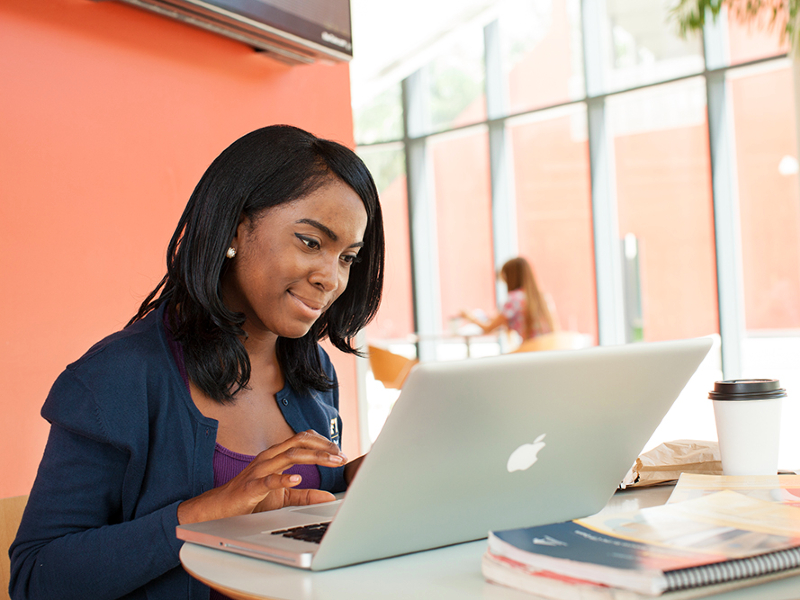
pixel 389 368
pixel 10 517
pixel 557 340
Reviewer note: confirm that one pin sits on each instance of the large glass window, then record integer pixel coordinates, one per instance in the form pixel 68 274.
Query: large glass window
pixel 665 207
pixel 769 206
pixel 642 46
pixel 455 83
pixel 463 225
pixel 379 117
pixel 542 53
pixel 608 192
pixel 393 327
pixel 395 319
pixel 553 210
pixel 754 38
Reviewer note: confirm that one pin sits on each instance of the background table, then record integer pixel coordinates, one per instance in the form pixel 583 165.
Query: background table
pixel 451 573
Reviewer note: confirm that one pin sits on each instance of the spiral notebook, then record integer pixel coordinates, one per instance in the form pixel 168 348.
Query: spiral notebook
pixel 479 444
pixel 717 539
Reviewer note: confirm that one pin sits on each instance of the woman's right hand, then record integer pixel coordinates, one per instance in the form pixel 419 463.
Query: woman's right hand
pixel 262 484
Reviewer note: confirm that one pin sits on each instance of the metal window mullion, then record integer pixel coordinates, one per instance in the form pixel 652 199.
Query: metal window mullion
pixel 504 209
pixel 727 225
pixel 422 218
pixel 605 221
pixel 504 213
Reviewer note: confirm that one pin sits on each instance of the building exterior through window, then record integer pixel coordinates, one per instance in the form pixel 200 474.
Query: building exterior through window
pixel 651 181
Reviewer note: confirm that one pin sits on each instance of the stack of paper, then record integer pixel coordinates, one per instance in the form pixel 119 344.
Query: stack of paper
pixel 715 541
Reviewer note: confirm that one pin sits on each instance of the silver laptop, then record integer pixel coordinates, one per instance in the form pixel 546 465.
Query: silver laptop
pixel 481 444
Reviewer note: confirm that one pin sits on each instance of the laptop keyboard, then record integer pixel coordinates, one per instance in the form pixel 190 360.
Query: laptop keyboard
pixel 307 533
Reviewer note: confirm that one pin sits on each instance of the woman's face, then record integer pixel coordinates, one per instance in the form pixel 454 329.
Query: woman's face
pixel 294 260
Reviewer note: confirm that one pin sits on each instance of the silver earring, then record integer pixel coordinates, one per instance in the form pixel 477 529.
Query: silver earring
pixel 231 252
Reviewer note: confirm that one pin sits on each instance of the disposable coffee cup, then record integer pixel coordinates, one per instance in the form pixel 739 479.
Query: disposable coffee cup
pixel 748 417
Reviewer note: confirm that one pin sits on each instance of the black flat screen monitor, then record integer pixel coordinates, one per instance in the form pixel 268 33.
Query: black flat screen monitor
pixel 295 31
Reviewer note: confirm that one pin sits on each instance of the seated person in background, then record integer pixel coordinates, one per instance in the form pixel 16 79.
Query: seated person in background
pixel 525 310
pixel 216 399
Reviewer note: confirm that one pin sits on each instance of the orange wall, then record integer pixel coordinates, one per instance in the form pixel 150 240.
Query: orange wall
pixel 769 203
pixel 110 115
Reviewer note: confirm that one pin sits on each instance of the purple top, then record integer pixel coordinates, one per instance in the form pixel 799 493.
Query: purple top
pixel 228 464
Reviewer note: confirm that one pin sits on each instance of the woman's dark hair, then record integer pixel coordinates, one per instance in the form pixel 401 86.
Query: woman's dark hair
pixel 263 169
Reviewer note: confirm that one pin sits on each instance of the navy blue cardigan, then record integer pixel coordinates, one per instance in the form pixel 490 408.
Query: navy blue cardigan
pixel 126 446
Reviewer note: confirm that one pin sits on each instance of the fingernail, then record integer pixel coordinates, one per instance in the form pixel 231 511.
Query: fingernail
pixel 338 458
pixel 295 478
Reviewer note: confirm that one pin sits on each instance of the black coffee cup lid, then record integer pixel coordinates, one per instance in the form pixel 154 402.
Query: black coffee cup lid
pixel 747 389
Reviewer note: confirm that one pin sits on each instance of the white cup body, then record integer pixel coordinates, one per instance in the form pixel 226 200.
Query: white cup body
pixel 749 435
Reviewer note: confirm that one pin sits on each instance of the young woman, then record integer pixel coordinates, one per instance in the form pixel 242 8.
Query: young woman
pixel 525 310
pixel 216 399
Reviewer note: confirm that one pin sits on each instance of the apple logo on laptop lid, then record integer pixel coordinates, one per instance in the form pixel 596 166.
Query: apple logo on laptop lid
pixel 523 457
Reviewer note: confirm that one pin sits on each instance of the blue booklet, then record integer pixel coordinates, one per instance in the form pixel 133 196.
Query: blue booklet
pixel 717 538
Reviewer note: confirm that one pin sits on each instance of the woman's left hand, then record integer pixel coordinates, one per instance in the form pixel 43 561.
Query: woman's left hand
pixel 263 484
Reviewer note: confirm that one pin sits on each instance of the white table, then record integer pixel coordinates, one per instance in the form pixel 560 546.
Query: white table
pixel 451 573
